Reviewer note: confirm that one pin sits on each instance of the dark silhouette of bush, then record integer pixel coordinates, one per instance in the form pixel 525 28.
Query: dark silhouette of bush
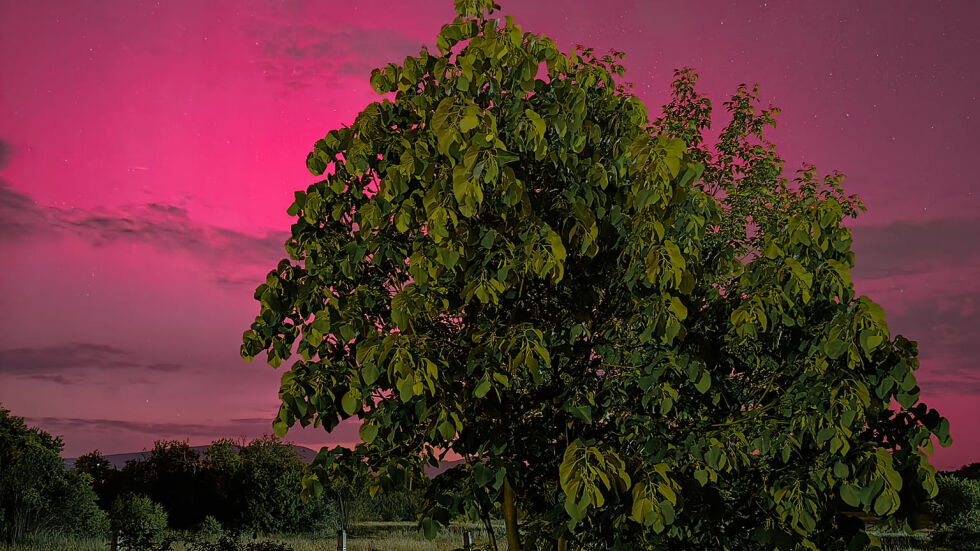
pixel 138 523
pixel 956 513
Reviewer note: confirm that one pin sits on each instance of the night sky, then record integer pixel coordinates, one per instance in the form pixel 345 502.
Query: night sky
pixel 149 150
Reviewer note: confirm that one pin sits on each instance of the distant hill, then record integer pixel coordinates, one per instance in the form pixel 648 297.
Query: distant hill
pixel 306 455
pixel 118 460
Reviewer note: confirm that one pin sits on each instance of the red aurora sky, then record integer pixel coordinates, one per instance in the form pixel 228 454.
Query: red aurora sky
pixel 148 152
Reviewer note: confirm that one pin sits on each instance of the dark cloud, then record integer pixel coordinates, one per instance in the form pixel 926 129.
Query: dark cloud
pixel 907 247
pixel 74 362
pixel 230 427
pixel 6 152
pixel 160 225
pixel 303 54
pixel 966 384
pixel 946 329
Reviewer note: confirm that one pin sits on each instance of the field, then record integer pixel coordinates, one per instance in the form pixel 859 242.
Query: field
pixel 400 536
pixel 371 536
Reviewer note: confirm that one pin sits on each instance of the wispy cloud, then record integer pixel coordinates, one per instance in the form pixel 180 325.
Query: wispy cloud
pixel 304 54
pixel 160 225
pixel 6 152
pixel 75 362
pixel 906 247
pixel 229 427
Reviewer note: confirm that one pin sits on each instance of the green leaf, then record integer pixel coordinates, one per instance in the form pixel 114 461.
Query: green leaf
pixel 279 428
pixel 469 122
pixel 704 382
pixel 368 432
pixel 488 238
pixel 883 504
pixel 406 389
pixel 369 373
pixel 482 475
pixel 349 403
pixel 835 348
pixel 430 528
pixel 447 430
pixel 850 495
pixel 482 388
pixel 701 476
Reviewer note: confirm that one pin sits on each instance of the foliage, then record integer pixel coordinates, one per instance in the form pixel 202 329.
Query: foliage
pixel 37 496
pixel 138 522
pixel 271 474
pixel 342 480
pixel 971 471
pixel 210 529
pixel 634 339
pixel 105 478
pixel 167 477
pixel 230 542
pixel 956 513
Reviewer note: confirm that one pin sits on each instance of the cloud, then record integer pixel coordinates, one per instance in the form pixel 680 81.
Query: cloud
pixel 73 362
pixel 946 328
pixel 160 225
pixel 906 247
pixel 6 152
pixel 304 54
pixel 230 427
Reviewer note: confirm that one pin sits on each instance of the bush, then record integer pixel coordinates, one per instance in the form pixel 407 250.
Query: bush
pixel 138 522
pixel 228 542
pixel 956 513
pixel 210 529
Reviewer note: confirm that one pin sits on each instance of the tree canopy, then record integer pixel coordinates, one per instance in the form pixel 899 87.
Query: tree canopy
pixel 634 340
pixel 37 495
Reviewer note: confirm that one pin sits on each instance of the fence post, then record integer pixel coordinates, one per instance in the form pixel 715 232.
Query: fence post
pixel 341 540
pixel 467 540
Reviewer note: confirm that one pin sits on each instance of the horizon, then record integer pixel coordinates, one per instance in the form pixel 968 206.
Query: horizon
pixel 149 154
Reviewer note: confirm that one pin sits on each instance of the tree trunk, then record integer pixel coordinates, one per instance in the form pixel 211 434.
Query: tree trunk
pixel 490 535
pixel 510 518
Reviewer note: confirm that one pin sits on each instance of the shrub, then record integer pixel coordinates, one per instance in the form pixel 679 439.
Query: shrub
pixel 138 522
pixel 228 542
pixel 210 529
pixel 956 512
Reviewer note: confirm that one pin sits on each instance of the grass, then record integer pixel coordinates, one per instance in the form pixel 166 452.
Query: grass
pixel 371 536
pixel 403 536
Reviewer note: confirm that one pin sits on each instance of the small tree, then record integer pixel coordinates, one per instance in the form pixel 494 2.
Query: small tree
pixel 106 479
pixel 138 522
pixel 634 340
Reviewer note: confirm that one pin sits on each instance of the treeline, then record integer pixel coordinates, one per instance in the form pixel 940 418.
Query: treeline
pixel 242 487
pixel 246 486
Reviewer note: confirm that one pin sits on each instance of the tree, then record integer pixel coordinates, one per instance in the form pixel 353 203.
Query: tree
pixel 37 495
pixel 168 477
pixel 106 479
pixel 220 480
pixel 270 480
pixel 634 340
pixel 138 523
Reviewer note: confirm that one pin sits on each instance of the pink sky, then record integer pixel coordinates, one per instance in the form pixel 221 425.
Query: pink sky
pixel 148 152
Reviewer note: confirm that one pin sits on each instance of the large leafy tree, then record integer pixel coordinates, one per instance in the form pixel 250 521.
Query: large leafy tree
pixel 37 495
pixel 633 339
